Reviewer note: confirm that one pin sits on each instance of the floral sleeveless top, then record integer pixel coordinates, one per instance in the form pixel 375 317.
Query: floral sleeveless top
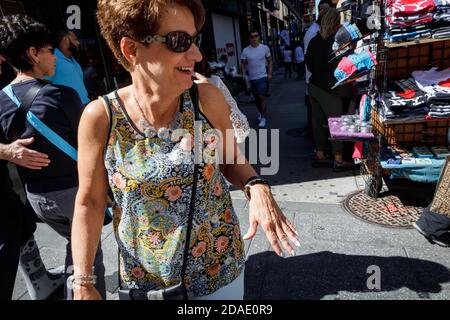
pixel 152 193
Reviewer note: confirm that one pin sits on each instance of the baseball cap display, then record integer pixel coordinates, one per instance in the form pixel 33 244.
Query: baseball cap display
pixel 354 66
pixel 346 35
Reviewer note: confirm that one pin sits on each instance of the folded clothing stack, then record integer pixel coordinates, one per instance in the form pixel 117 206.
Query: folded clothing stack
pixel 437 85
pixel 441 25
pixel 439 108
pixel 442 11
pixel 409 19
pixel 404 103
pixel 398 33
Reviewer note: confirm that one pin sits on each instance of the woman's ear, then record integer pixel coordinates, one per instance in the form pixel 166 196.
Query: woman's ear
pixel 32 55
pixel 128 48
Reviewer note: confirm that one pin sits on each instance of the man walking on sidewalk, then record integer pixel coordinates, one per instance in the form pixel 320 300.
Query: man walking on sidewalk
pixel 68 70
pixel 257 61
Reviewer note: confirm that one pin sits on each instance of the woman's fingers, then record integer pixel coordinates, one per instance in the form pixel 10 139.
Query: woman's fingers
pixel 251 230
pixel 290 230
pixel 269 230
pixel 282 236
pixel 290 225
pixel 201 78
pixel 290 234
pixel 32 167
pixel 37 163
pixel 273 240
pixel 36 155
pixel 284 230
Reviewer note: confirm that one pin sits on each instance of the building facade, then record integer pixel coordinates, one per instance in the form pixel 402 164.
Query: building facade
pixel 226 31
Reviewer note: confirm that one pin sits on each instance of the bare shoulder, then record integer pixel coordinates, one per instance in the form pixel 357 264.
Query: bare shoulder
pixel 214 106
pixel 95 120
pixel 209 91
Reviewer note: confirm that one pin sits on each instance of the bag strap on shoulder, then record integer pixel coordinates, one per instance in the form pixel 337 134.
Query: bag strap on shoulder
pixel 17 126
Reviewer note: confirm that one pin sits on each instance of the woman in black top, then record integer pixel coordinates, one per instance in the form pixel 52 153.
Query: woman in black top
pixel 325 102
pixel 51 191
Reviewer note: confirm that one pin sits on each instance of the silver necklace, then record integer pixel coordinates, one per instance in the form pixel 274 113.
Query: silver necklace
pixel 163 132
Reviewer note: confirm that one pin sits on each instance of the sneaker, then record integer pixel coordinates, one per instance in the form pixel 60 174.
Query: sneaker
pixel 262 122
pixel 443 240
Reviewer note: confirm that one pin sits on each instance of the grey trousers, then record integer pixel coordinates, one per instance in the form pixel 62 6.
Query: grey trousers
pixel 56 209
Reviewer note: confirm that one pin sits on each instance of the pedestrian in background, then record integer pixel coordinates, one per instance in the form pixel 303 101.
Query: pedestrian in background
pixel 287 60
pixel 309 35
pixel 51 191
pixel 325 101
pixel 68 71
pixel 257 61
pixel 17 244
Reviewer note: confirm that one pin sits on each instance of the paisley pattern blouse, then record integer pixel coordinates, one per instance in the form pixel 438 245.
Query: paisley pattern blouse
pixel 152 191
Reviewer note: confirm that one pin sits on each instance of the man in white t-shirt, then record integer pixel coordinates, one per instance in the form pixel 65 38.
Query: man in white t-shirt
pixel 257 64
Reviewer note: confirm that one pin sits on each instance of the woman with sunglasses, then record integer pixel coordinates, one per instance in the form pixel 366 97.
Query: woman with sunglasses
pixel 139 141
pixel 51 190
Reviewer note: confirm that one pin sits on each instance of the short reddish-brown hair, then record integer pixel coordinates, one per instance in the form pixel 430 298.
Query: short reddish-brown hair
pixel 137 19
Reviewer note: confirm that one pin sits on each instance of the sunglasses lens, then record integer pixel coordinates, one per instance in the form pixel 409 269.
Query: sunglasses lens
pixel 198 40
pixel 178 41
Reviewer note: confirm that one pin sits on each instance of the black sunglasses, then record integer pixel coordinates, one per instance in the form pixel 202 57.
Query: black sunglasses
pixel 176 41
pixel 254 36
pixel 50 48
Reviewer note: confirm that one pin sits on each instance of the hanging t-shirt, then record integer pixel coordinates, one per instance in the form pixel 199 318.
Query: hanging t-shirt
pixel 257 61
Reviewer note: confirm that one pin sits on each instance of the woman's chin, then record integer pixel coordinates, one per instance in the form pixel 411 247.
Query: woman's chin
pixel 187 83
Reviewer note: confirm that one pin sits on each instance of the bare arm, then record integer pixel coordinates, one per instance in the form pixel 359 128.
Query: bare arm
pixel 264 210
pixel 90 203
pixel 244 67
pixel 269 67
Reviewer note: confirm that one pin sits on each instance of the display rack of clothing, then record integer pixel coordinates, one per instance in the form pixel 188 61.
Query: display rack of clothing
pixel 412 109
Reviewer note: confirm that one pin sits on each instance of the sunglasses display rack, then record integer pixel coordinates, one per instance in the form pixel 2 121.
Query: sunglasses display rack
pixel 425 142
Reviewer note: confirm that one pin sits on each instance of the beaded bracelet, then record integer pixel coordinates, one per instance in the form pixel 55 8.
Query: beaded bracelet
pixel 83 280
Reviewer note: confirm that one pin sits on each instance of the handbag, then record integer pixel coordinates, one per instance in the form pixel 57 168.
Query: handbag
pixel 24 114
pixel 178 291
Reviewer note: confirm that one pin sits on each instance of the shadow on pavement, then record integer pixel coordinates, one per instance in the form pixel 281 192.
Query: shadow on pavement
pixel 313 276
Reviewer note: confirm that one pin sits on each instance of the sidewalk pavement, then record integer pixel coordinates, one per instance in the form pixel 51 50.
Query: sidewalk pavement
pixel 337 251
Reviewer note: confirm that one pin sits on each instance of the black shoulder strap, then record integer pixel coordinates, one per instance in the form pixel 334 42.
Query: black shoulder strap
pixel 193 92
pixel 195 101
pixel 108 104
pixel 17 126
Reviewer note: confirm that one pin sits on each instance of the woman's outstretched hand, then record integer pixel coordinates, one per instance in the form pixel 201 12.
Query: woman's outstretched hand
pixel 264 211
